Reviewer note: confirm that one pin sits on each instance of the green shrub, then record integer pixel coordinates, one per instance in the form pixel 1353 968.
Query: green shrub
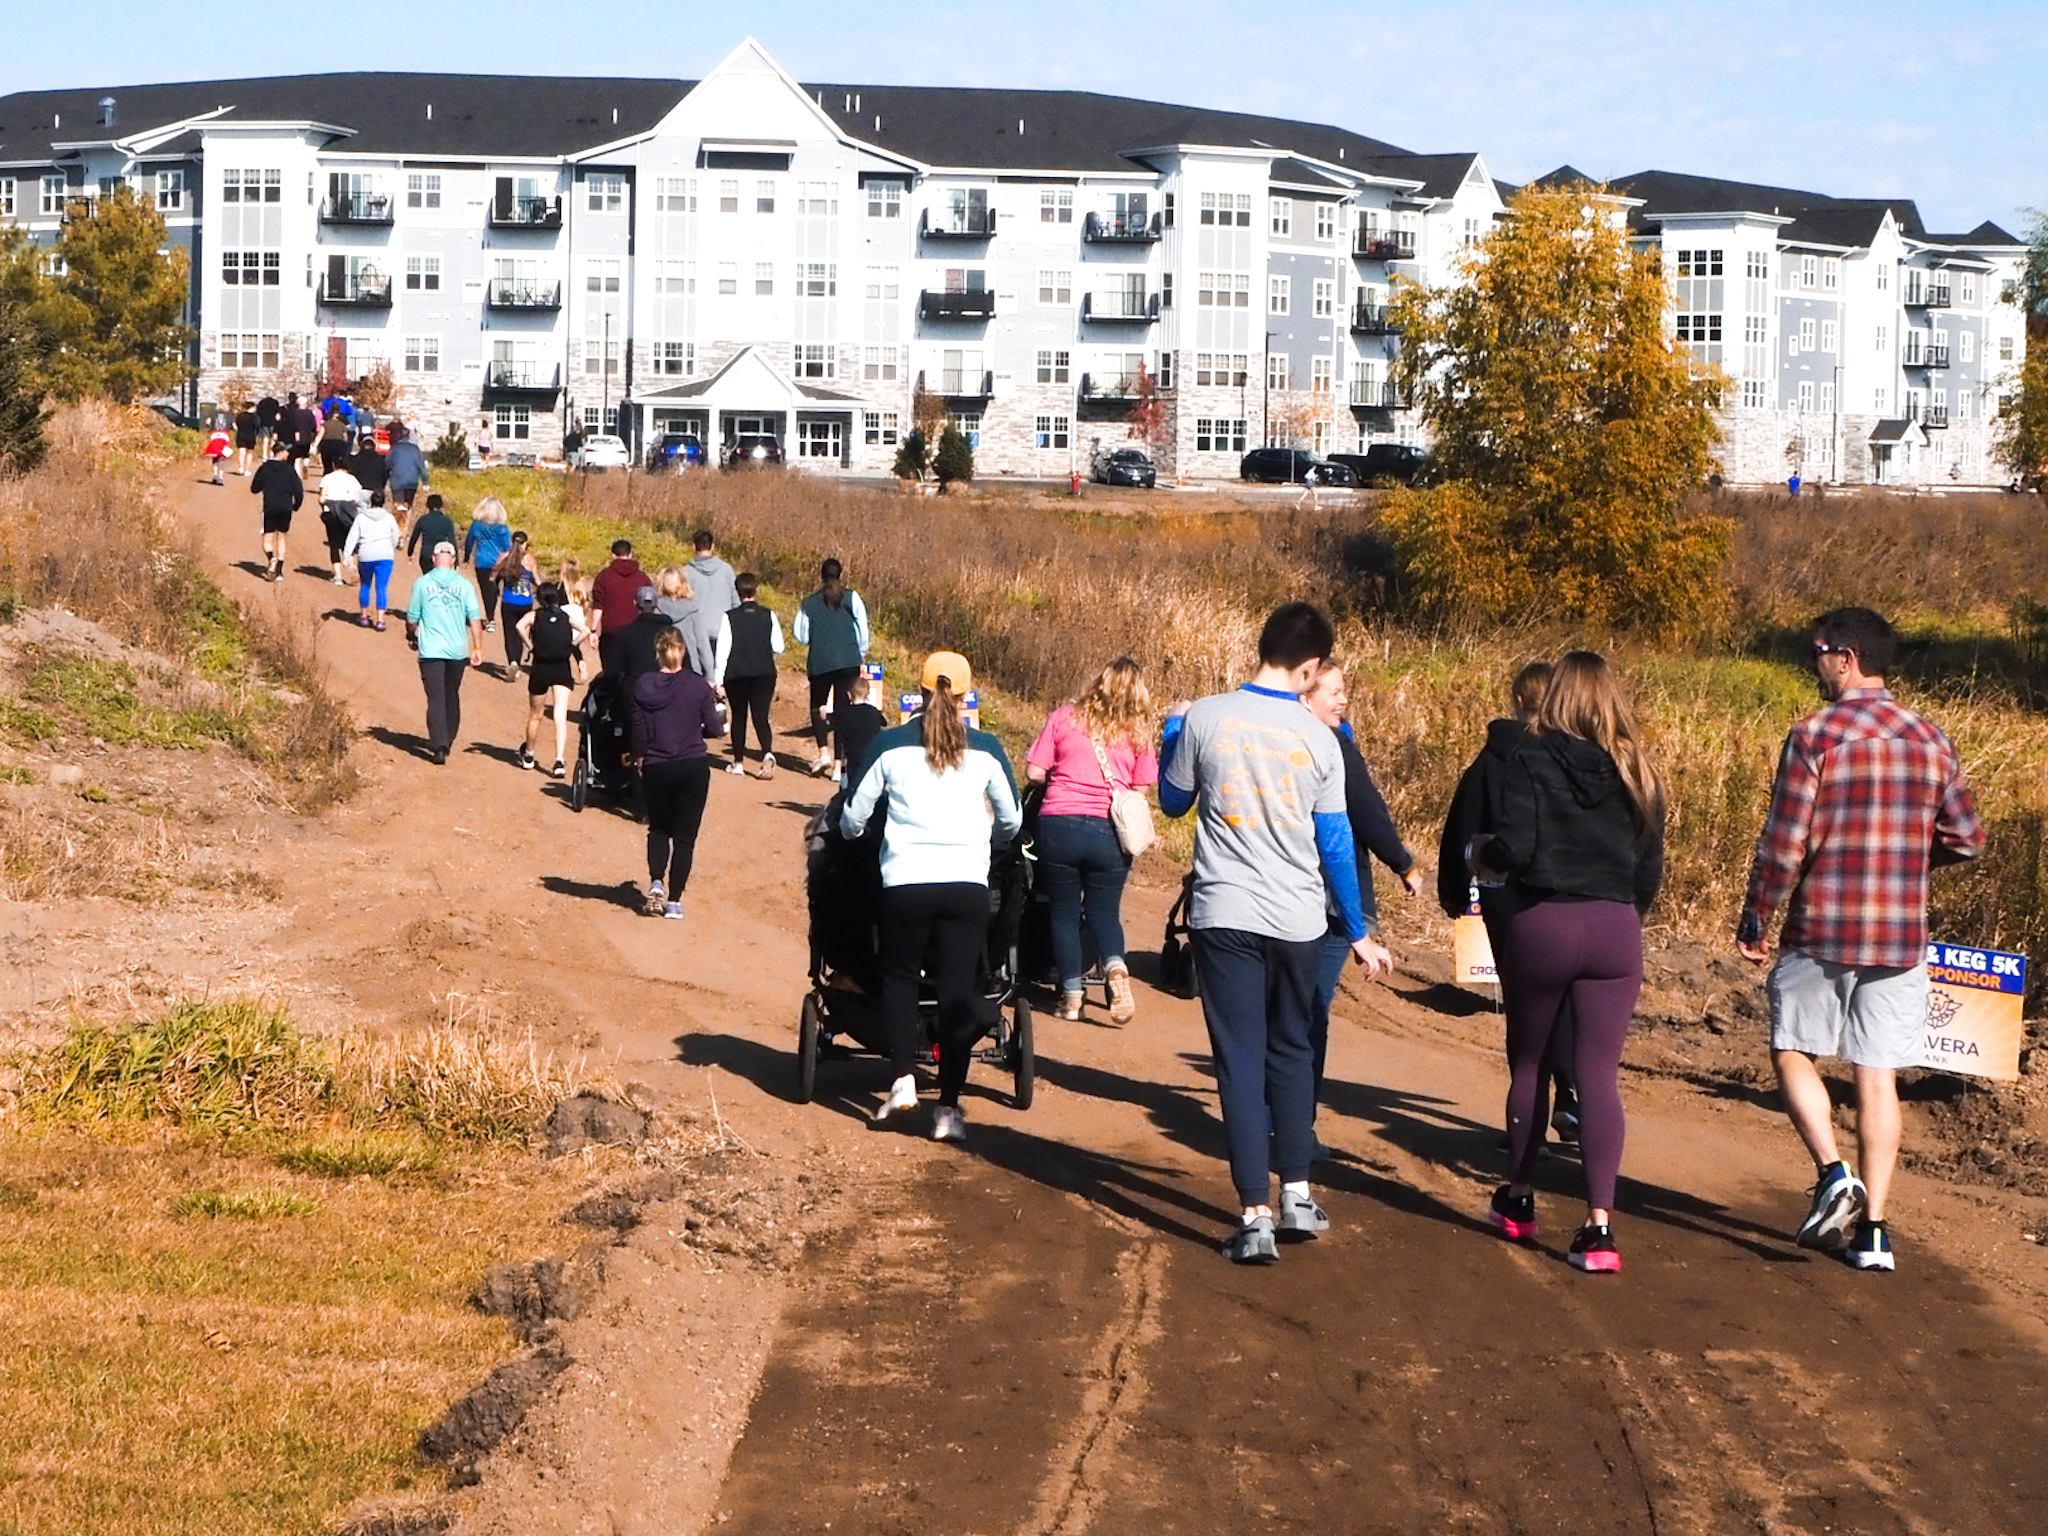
pixel 452 451
pixel 955 459
pixel 910 456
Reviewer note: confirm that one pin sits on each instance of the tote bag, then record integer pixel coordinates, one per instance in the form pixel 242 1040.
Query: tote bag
pixel 1130 814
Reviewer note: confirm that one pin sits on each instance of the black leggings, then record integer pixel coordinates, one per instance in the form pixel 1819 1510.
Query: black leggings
pixel 943 929
pixel 488 585
pixel 749 698
pixel 515 648
pixel 676 790
pixel 838 686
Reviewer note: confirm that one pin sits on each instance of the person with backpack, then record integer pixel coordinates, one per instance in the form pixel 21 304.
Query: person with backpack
pixel 1088 750
pixel 553 639
pixel 518 578
pixel 674 717
pixel 833 622
pixel 948 792
pixel 372 543
pixel 341 498
pixel 745 668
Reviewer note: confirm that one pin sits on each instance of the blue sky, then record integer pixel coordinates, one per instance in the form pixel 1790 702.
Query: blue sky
pixel 1939 102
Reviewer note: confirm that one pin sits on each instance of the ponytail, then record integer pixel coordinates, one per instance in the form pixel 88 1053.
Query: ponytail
pixel 945 734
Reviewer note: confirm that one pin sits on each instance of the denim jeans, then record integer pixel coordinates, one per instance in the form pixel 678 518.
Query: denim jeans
pixel 1336 954
pixel 1084 868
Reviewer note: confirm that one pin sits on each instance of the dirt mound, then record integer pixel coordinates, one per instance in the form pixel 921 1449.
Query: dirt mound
pixel 587 1122
pixel 473 1427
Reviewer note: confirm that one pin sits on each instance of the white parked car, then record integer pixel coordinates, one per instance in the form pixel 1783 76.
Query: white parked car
pixel 599 451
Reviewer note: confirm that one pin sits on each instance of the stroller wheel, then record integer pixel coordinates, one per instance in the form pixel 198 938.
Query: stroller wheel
pixel 809 1030
pixel 579 786
pixel 1023 1064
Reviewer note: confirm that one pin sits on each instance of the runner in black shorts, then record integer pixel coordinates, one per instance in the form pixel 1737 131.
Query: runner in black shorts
pixel 278 484
pixel 554 643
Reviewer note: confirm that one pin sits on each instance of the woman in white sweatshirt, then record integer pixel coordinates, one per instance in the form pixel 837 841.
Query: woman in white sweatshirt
pixel 949 793
pixel 372 543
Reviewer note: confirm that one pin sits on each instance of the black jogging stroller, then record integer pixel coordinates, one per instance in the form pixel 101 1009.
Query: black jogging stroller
pixel 603 739
pixel 842 891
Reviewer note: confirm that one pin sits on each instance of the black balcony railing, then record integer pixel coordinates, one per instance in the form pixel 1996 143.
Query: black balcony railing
pixel 974 304
pixel 1120 305
pixel 1925 357
pixel 1373 320
pixel 1121 228
pixel 1109 386
pixel 1384 245
pixel 1934 416
pixel 957 384
pixel 527 213
pixel 1927 295
pixel 516 293
pixel 361 290
pixel 356 208
pixel 957 224
pixel 1373 395
pixel 522 378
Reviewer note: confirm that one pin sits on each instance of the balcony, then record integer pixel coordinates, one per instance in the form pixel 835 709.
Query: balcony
pixel 356 208
pixel 957 384
pixel 520 296
pixel 542 213
pixel 1120 306
pixel 1383 245
pixel 1373 320
pixel 1934 416
pixel 974 304
pixel 359 290
pixel 1121 229
pixel 1927 296
pixel 1110 386
pixel 1926 357
pixel 523 379
pixel 1373 395
pixel 957 224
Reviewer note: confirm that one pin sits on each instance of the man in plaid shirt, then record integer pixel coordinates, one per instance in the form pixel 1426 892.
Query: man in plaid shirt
pixel 1869 798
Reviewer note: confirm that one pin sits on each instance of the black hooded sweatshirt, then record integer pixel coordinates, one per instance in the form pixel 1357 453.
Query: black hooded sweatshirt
pixel 1475 812
pixel 1568 828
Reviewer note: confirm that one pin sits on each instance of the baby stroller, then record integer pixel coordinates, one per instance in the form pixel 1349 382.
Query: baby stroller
pixel 842 890
pixel 1035 942
pixel 601 746
pixel 1176 950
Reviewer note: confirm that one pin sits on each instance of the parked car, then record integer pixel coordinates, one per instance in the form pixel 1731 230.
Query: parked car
pixel 1291 466
pixel 1401 463
pixel 1126 466
pixel 600 450
pixel 676 450
pixel 752 453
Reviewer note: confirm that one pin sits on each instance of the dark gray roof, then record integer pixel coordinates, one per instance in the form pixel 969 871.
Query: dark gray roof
pixel 1892 429
pixel 1299 173
pixel 509 115
pixel 1986 233
pixel 1440 175
pixel 1817 219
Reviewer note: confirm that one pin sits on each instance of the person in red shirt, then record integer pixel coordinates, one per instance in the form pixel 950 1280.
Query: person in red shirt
pixel 613 600
pixel 1869 799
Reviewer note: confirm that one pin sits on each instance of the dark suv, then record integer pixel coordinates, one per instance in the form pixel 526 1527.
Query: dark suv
pixel 1401 463
pixel 752 453
pixel 1126 466
pixel 1291 466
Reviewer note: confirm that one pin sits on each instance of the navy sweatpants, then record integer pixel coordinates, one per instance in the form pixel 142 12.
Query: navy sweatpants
pixel 1258 998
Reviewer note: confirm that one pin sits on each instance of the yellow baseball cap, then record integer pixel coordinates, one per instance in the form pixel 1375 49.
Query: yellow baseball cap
pixel 950 665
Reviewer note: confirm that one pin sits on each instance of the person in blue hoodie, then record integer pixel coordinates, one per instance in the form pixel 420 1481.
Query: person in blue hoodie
pixel 488 541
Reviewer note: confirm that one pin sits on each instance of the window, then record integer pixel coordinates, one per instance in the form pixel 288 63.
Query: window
pixel 1208 214
pixel 1055 287
pixel 1697 328
pixel 1216 435
pixel 512 423
pixel 1282 217
pixel 1055 207
pixel 1827 395
pixel 878 365
pixel 1884 282
pixel 1164 373
pixel 675 194
pixel 764 197
pixel 53 194
pixel 882 282
pixel 882 428
pixel 885 199
pixel 728 197
pixel 675 358
pixel 1756 266
pixel 817 200
pixel 1166 213
pixel 967 424
pixel 1699 263
pixel 1276 370
pixel 1054 367
pixel 605 194
pixel 821 280
pixel 600 355
pixel 1319 375
pixel 1831 273
pixel 598 276
pixel 820 439
pixel 423 190
pixel 6 197
pixel 1223 209
pixel 2005 349
pixel 1805 338
pixel 816 360
pixel 1966 346
pixel 675 279
pixel 251 185
pixel 422 354
pixel 1222 290
pixel 1050 431
pixel 1968 281
pixel 1829 336
pixel 1962 405
pixel 1326 221
pixel 1279 294
pixel 248 351
pixel 1166 290
pixel 1325 297
pixel 250 268
pixel 423 274
pixel 1753 393
pixel 728 277
pixel 170 191
pixel 764 279
pixel 1882 333
pixel 1881 396
pixel 605 420
pixel 1809 271
pixel 1806 394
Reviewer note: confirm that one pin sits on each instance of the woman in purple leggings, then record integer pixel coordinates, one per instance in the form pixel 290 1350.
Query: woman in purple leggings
pixel 1580 842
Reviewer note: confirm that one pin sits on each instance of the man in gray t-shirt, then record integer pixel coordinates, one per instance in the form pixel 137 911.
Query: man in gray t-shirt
pixel 1273 848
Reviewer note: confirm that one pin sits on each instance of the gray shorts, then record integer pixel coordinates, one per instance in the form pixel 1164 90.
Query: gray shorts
pixel 1869 1015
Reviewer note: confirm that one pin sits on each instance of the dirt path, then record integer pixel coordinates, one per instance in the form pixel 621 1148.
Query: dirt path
pixel 1034 1333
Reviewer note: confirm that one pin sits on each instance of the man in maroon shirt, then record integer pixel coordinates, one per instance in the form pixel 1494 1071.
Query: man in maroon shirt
pixel 612 600
pixel 1869 798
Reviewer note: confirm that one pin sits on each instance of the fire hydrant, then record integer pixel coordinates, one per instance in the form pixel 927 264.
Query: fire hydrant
pixel 1075 489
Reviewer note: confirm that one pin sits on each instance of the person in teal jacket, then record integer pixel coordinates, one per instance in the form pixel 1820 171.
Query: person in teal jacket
pixel 833 622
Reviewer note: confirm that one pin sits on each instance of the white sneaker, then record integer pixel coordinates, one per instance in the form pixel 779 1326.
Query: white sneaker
pixel 736 768
pixel 948 1124
pixel 767 765
pixel 902 1096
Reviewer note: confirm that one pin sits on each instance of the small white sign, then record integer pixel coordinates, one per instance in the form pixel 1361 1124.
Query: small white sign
pixel 472 370
pixel 472 290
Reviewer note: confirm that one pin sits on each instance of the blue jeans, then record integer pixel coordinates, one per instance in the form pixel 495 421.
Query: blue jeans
pixel 1084 868
pixel 1336 954
pixel 1258 997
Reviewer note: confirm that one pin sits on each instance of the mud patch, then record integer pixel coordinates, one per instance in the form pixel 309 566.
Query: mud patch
pixel 474 1427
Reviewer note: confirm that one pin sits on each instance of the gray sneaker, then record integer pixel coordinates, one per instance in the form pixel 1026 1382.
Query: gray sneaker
pixel 1301 1217
pixel 1252 1243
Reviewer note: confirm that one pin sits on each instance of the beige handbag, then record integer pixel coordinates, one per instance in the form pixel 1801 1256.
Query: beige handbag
pixel 1130 813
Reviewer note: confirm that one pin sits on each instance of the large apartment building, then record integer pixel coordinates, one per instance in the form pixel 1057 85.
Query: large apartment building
pixel 746 254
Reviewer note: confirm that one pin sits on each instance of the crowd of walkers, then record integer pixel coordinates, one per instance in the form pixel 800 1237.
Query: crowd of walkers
pixel 1554 837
